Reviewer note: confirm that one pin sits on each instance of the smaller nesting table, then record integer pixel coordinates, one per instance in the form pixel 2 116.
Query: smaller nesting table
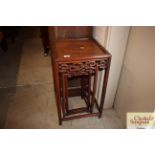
pixel 82 58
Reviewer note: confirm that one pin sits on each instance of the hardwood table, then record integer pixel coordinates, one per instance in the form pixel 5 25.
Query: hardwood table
pixel 79 58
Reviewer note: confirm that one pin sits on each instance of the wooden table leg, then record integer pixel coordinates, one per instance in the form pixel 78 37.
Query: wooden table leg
pixel 57 90
pixel 105 78
pixel 63 95
pixel 94 90
pixel 82 87
pixel 85 88
pixel 89 91
pixel 66 94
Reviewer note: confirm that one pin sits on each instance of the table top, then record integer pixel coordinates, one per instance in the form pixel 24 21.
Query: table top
pixel 78 49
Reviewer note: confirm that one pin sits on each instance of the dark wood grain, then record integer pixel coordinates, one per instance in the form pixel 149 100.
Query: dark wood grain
pixel 70 32
pixel 73 49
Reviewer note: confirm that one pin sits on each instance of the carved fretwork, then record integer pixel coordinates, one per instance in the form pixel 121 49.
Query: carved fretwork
pixel 82 68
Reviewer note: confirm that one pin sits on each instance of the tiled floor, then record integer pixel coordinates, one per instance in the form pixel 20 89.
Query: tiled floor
pixel 26 89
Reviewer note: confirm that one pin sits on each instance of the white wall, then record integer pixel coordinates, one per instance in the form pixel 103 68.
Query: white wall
pixel 100 33
pixel 136 92
pixel 114 39
pixel 116 45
